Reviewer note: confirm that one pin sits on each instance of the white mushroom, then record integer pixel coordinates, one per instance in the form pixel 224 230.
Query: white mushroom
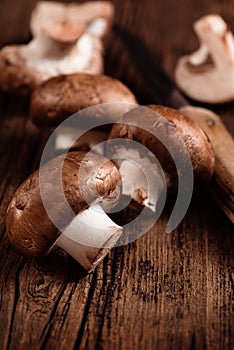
pixel 207 75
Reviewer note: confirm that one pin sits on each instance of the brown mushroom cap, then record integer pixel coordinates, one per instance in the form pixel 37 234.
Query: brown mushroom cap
pixel 15 75
pixel 60 97
pixel 28 226
pixel 178 127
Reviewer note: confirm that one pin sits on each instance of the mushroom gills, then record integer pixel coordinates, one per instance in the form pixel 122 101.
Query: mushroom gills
pixel 142 179
pixel 51 58
pixel 89 237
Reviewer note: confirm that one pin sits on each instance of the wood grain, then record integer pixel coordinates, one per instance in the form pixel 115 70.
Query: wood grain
pixel 163 291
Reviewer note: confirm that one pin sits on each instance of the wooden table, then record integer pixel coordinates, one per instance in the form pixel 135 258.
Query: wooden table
pixel 163 291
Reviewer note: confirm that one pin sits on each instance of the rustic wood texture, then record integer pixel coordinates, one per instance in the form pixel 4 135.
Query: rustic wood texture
pixel 163 291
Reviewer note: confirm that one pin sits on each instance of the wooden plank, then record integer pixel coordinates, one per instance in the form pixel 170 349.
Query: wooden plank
pixel 167 290
pixel 164 291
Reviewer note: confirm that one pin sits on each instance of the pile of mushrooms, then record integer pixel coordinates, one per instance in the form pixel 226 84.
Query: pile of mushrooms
pixel 67 38
pixel 91 188
pixel 61 66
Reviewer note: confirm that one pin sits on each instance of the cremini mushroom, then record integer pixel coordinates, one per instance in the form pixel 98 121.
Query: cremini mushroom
pixel 179 137
pixel 222 184
pixel 207 75
pixel 63 96
pixel 67 38
pixel 90 184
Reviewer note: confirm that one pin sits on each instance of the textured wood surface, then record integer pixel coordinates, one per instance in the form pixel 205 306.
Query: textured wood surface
pixel 163 291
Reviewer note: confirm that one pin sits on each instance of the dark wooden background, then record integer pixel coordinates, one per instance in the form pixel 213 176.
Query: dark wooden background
pixel 164 291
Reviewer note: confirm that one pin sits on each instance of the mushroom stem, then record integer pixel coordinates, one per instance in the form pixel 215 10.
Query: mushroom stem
pixel 199 57
pixel 44 47
pixel 142 179
pixel 89 237
pixel 52 58
pixel 134 182
pixel 207 75
pixel 67 32
pixel 213 33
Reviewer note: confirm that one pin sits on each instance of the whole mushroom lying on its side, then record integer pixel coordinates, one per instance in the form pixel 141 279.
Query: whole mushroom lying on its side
pixel 176 128
pixel 61 97
pixel 207 75
pixel 88 235
pixel 67 38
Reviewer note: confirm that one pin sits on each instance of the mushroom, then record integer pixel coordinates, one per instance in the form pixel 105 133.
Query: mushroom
pixel 39 218
pixel 63 96
pixel 67 38
pixel 222 184
pixel 60 97
pixel 169 135
pixel 207 75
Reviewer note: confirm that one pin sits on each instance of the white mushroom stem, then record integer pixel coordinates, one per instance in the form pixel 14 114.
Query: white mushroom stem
pixel 141 178
pixel 199 56
pixel 134 182
pixel 213 33
pixel 89 237
pixel 65 33
pixel 51 58
pixel 66 137
pixel 211 82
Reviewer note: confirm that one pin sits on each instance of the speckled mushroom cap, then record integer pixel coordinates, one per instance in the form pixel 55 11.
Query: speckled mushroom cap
pixel 177 127
pixel 28 226
pixel 60 97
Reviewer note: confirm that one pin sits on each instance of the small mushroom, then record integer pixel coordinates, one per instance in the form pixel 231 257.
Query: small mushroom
pixel 67 38
pixel 90 184
pixel 207 75
pixel 179 134
pixel 60 97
